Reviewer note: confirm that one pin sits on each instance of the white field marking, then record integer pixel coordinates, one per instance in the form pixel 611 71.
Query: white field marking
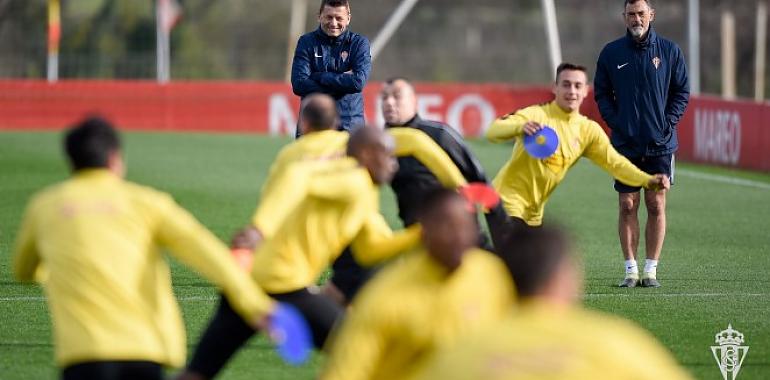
pixel 41 299
pixel 587 295
pixel 723 179
pixel 669 295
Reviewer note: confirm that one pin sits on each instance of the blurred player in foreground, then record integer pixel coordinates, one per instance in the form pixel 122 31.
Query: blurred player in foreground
pixel 550 336
pixel 524 182
pixel 339 207
pixel 321 142
pixel 425 301
pixel 94 242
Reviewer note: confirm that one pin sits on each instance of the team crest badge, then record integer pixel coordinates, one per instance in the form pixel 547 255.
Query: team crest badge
pixel 730 352
pixel 656 62
pixel 344 56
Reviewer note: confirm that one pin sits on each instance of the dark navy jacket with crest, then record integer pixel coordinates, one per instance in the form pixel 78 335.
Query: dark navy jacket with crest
pixel 642 91
pixel 336 66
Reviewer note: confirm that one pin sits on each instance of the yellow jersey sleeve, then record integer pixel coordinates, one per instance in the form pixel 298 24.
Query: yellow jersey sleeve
pixel 415 143
pixel 600 151
pixel 26 258
pixel 195 246
pixel 284 158
pixel 376 242
pixel 275 201
pixel 511 125
pixel 343 180
pixel 262 217
pixel 641 354
pixel 283 191
pixel 548 346
pixel 358 346
pixel 301 179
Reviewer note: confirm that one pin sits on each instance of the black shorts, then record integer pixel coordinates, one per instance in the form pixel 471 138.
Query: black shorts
pixel 501 226
pixel 113 370
pixel 349 276
pixel 227 331
pixel 651 165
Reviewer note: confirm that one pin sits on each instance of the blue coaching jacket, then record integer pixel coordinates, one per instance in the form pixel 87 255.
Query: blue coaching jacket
pixel 338 66
pixel 642 91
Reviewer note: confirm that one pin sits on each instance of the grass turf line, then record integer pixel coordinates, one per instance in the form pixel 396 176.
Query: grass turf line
pixel 716 252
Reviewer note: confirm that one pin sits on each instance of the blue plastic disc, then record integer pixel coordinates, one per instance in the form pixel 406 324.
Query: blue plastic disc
pixel 542 144
pixel 291 334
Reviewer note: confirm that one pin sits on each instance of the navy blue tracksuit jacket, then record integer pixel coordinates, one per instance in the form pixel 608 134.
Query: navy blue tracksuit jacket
pixel 321 64
pixel 642 91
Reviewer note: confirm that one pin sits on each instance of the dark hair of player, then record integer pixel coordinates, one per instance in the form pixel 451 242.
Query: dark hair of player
pixel 89 143
pixel 570 66
pixel 334 4
pixel 392 80
pixel 363 138
pixel 319 114
pixel 533 256
pixel 433 202
pixel 649 2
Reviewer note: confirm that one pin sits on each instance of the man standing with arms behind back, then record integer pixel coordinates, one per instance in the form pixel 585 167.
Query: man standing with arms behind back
pixel 642 90
pixel 335 61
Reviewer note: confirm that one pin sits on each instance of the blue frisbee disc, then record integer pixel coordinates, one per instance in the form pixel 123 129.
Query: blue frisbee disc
pixel 542 144
pixel 291 334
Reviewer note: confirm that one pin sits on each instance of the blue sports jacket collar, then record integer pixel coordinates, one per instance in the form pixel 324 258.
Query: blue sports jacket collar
pixel 325 38
pixel 650 39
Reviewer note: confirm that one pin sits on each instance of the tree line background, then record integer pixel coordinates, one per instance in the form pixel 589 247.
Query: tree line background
pixel 440 41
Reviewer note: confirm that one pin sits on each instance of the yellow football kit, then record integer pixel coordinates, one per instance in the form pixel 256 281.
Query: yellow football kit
pixel 107 282
pixel 279 198
pixel 338 206
pixel 525 183
pixel 540 341
pixel 414 307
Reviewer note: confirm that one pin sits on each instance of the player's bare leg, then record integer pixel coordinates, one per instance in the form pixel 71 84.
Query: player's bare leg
pixel 334 293
pixel 628 231
pixel 655 233
pixel 656 222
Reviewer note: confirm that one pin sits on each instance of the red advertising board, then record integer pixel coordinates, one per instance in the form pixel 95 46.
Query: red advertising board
pixel 712 131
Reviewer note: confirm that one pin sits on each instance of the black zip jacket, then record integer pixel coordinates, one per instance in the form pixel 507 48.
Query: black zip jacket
pixel 413 180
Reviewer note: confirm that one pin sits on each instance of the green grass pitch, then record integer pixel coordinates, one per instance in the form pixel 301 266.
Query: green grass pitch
pixel 713 269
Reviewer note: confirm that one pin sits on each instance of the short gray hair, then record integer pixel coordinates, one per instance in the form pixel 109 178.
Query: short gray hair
pixel 625 4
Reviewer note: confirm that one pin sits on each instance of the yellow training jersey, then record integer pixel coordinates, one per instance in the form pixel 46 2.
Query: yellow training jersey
pixel 279 199
pixel 338 206
pixel 413 308
pixel 541 342
pixel 276 194
pixel 107 282
pixel 525 183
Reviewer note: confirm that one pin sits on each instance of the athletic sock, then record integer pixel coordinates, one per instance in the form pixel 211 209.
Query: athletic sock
pixel 631 267
pixel 650 267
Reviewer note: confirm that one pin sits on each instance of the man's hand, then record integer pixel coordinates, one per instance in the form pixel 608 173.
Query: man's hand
pixel 532 127
pixel 247 238
pixel 659 182
pixel 262 323
pixel 334 293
